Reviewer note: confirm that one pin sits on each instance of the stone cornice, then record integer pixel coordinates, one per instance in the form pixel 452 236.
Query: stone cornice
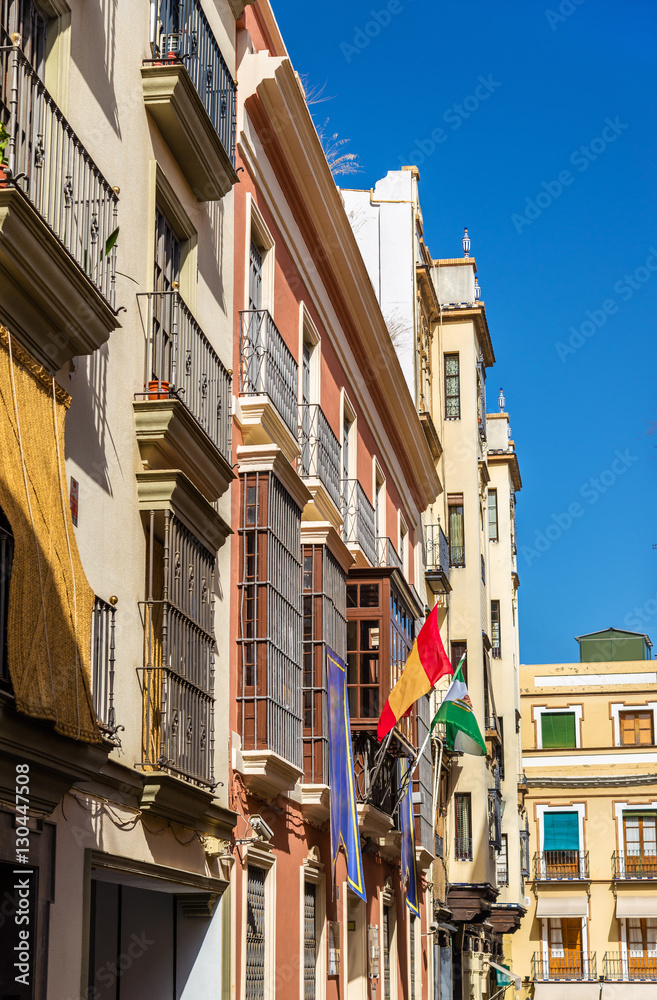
pixel 270 458
pixel 323 533
pixel 476 314
pixel 593 781
pixel 509 458
pixel 170 489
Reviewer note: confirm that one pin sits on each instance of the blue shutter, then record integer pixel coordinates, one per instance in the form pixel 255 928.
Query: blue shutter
pixel 561 831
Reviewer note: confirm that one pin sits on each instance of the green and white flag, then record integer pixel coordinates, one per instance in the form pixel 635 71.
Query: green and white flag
pixel 462 732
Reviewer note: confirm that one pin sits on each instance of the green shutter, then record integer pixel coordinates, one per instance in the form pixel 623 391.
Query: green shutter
pixel 558 730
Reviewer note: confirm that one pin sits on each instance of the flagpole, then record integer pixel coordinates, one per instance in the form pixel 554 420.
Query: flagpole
pixel 408 777
pixel 382 755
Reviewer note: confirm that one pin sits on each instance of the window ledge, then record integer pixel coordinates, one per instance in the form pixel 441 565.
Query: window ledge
pixel 266 773
pixel 372 822
pixel 315 803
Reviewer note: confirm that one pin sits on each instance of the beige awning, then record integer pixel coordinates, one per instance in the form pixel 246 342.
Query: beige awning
pixel 562 906
pixel 568 991
pixel 644 905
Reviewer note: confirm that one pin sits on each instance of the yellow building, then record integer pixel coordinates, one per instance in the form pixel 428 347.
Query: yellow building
pixel 589 760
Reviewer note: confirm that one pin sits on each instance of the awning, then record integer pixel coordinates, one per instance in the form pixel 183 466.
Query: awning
pixel 628 991
pixel 562 906
pixel 568 991
pixel 636 906
pixel 508 974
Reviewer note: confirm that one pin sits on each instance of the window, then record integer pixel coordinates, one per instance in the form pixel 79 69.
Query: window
pixel 6 558
pixel 463 826
pixel 495 818
pixel 636 727
pixel 502 862
pixel 255 933
pixel 309 941
pixel 459 650
pixel 456 532
pixel 493 530
pixel 561 844
pixel 558 730
pixel 524 853
pixel 483 571
pixel 31 23
pixel 500 749
pixel 642 947
pixel 565 947
pixel 403 546
pixel 379 503
pixel 640 835
pixel 452 387
pixel 387 935
pixel 495 630
pixel 256 255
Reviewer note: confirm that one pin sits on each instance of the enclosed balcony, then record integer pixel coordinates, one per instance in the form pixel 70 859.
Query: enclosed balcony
pixel 183 417
pixel 268 384
pixel 559 866
pixel 437 559
pixel 319 461
pixel 564 965
pixel 58 225
pixel 629 966
pixel 191 96
pixel 359 523
pixel 634 865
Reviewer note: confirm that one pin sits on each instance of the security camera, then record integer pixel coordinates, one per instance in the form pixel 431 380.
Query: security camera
pixel 258 825
pixel 433 927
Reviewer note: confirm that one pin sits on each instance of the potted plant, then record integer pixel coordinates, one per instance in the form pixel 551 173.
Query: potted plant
pixel 158 389
pixel 4 140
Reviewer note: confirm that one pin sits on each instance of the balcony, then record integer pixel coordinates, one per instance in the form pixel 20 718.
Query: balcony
pixel 388 555
pixel 320 460
pixel 618 967
pixel 634 865
pixel 183 418
pixel 383 793
pixel 561 866
pixel 268 384
pixel 436 570
pixel 191 96
pixel 102 667
pixel 358 521
pixel 58 226
pixel 463 848
pixel 571 965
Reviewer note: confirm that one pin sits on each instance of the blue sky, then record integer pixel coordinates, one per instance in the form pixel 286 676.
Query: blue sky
pixel 573 337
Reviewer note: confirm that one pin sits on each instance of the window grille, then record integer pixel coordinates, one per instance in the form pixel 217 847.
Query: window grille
pixel 463 813
pixel 495 629
pixel 502 862
pixel 255 934
pixel 386 953
pixel 269 639
pixel 179 649
pixel 324 624
pixel 456 533
pixel 452 387
pixel 309 941
pixel 493 527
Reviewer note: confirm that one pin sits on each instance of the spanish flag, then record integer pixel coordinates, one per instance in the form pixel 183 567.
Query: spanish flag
pixel 426 664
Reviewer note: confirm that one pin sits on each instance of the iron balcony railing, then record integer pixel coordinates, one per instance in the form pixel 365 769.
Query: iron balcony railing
pixel 182 364
pixel 320 450
pixel 102 666
pixel 6 559
pixel 496 652
pixel 628 967
pixel 502 875
pixel 456 555
pixel 463 848
pixel 267 365
pixel 180 32
pixel 552 866
pixel 358 519
pixel 439 846
pixel 564 964
pixel 634 864
pixel 388 555
pixel 437 548
pixel 384 793
pixel 48 163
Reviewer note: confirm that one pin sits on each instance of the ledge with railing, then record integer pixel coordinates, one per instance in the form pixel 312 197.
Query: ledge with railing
pixel 463 848
pixel 180 32
pixel 267 366
pixel 634 864
pixel 320 450
pixel 554 866
pixel 358 519
pixel 383 792
pixel 102 667
pixel 574 965
pixel 388 555
pixel 182 364
pixel 626 967
pixel 437 557
pixel 48 163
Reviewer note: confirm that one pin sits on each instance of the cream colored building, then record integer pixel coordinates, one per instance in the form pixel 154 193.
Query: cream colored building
pixel 589 757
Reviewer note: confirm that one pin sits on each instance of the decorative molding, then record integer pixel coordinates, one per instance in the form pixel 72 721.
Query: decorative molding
pixel 267 774
pixel 262 424
pixel 199 904
pixel 170 489
pixel 174 105
pixel 594 781
pixel 142 874
pixel 315 803
pixel 321 505
pixel 270 458
pixel 372 822
pixel 323 533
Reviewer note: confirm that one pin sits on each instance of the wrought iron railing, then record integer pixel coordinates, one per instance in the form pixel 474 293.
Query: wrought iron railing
pixel 320 450
pixel 463 848
pixel 456 555
pixel 358 519
pixel 48 163
pixel 496 652
pixel 502 875
pixel 491 725
pixel 439 846
pixel 6 559
pixel 437 548
pixel 561 865
pixel 627 967
pixel 579 965
pixel 267 365
pixel 178 688
pixel 182 364
pixel 388 555
pixel 384 793
pixel 634 864
pixel 102 667
pixel 180 32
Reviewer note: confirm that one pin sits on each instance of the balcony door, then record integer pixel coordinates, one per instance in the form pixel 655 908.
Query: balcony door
pixel 642 947
pixel 640 831
pixel 565 944
pixel 166 281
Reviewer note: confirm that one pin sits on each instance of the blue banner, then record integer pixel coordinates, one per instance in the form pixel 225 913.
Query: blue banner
pixel 407 826
pixel 344 819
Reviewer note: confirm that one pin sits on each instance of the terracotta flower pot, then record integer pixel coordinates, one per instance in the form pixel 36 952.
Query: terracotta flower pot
pixel 158 390
pixel 3 177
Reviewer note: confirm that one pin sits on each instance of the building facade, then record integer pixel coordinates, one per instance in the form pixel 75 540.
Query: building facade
pixel 589 759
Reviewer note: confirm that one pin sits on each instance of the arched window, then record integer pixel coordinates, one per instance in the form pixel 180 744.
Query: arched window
pixel 6 556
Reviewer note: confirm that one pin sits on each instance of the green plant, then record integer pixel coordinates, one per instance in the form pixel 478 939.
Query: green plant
pixel 4 139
